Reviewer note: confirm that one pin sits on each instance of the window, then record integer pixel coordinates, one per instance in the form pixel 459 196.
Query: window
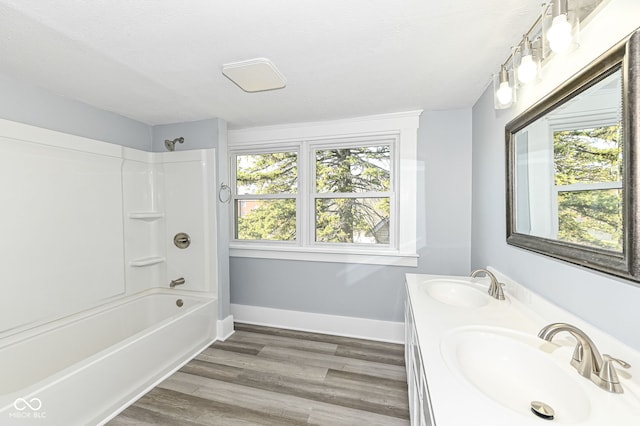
pixel 328 197
pixel 588 186
pixel 352 195
pixel 266 188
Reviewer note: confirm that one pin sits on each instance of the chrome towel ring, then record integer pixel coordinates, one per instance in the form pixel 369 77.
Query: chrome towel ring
pixel 224 193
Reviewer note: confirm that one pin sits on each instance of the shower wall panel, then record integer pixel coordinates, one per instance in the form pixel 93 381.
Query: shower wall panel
pixel 61 222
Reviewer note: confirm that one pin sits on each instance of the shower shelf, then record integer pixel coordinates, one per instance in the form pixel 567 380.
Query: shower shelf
pixel 147 216
pixel 146 261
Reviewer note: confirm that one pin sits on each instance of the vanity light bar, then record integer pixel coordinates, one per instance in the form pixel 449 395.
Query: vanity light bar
pixel 555 31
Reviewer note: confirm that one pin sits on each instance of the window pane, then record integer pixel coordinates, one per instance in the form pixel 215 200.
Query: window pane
pixel 266 219
pixel 588 155
pixel 592 218
pixel 353 220
pixel 349 170
pixel 270 173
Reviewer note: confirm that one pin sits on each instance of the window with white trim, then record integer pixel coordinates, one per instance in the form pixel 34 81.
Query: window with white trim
pixel 266 196
pixel 587 201
pixel 352 196
pixel 325 196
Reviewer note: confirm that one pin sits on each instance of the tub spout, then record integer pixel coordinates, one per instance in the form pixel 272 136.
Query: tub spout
pixel 177 281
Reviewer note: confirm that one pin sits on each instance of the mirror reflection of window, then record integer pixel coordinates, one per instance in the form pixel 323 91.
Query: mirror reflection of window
pixel 588 185
pixel 568 170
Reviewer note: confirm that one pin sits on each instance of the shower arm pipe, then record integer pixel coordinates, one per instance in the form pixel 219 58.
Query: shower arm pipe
pixel 171 144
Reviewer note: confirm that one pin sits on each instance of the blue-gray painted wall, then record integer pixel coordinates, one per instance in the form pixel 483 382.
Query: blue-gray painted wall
pixel 32 105
pixel 201 134
pixel 373 291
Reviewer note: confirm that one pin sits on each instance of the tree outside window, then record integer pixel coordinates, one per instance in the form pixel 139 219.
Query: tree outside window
pixel 350 192
pixel 265 208
pixel 588 173
pixel 352 204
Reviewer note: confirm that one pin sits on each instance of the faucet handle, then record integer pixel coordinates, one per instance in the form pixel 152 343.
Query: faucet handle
pixel 579 362
pixel 622 363
pixel 499 293
pixel 608 376
pixel 607 367
pixel 577 352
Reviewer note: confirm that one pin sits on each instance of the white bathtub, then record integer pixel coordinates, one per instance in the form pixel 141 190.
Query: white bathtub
pixel 84 369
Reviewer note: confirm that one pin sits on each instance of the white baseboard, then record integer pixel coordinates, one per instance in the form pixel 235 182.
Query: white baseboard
pixel 224 328
pixel 362 328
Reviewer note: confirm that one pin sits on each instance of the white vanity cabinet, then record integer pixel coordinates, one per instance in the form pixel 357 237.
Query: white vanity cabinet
pixel 419 403
pixel 472 359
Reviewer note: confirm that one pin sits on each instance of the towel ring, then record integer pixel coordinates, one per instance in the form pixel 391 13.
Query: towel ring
pixel 224 193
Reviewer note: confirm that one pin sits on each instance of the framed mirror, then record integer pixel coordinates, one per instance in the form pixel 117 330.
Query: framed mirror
pixel 573 171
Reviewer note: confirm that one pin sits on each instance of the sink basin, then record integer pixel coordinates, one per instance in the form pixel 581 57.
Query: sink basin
pixel 514 369
pixel 456 293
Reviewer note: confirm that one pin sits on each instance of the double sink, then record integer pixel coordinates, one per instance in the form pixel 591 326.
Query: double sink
pixel 485 363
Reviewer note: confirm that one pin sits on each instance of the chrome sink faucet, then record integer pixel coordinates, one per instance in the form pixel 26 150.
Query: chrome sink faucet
pixel 586 357
pixel 495 289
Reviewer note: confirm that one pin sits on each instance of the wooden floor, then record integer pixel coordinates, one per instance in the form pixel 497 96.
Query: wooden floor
pixel 271 376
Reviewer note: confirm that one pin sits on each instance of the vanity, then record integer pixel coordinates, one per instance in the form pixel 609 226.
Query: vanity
pixel 473 359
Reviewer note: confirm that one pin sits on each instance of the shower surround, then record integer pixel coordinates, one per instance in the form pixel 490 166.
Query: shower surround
pixel 88 230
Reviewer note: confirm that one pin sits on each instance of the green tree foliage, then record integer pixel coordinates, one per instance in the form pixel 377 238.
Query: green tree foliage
pixel 348 174
pixel 270 173
pixel 592 216
pixel 348 171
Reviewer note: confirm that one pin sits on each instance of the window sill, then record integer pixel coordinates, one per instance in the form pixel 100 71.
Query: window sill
pixel 390 258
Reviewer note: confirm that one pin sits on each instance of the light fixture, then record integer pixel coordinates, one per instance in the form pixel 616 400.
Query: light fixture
pixel 555 30
pixel 254 75
pixel 560 25
pixel 503 88
pixel 528 64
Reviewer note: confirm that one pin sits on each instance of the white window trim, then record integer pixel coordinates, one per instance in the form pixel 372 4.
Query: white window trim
pixel 403 126
pixel 604 117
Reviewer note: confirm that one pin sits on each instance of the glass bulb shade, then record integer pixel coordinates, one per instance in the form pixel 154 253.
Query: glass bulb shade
pixel 504 93
pixel 559 35
pixel 527 70
pixel 504 90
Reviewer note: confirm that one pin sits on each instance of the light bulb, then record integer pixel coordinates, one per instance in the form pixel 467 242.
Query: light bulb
pixel 559 35
pixel 504 93
pixel 527 70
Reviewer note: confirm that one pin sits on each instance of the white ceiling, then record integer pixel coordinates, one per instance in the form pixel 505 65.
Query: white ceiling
pixel 159 61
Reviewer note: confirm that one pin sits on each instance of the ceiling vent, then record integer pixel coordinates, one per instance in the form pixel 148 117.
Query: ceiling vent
pixel 254 75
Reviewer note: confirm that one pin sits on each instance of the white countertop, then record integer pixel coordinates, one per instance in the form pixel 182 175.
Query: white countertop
pixel 455 401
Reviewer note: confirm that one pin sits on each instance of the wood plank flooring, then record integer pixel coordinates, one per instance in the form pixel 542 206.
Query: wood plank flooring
pixel 271 376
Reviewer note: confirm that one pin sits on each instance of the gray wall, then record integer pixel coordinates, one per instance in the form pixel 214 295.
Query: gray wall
pixel 32 105
pixel 372 291
pixel 610 304
pixel 201 134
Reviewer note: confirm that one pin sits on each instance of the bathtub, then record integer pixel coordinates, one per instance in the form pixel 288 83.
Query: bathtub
pixel 85 368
